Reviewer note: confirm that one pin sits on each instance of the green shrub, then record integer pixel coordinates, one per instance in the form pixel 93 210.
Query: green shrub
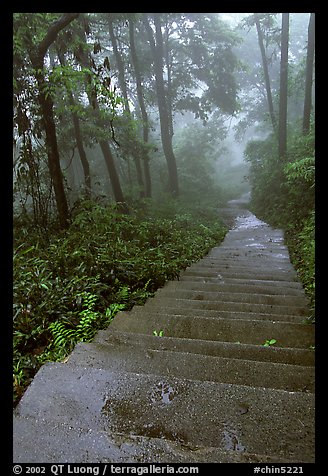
pixel 301 244
pixel 283 194
pixel 71 284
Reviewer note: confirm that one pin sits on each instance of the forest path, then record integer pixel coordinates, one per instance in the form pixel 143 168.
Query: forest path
pixel 208 390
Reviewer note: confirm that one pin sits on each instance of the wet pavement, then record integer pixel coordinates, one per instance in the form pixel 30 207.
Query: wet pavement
pixel 230 379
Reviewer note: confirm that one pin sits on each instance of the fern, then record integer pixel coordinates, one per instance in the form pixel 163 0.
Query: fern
pixel 84 331
pixel 63 337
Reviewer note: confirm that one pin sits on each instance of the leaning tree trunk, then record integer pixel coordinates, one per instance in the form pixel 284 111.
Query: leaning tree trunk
pixel 309 76
pixel 266 72
pixel 46 104
pixel 283 87
pixel 157 51
pixel 53 155
pixel 78 135
pixel 122 84
pixel 106 151
pixel 168 82
pixel 144 115
pixel 81 150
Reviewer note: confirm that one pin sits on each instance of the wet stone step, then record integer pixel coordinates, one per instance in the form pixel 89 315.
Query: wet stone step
pixel 251 244
pixel 250 251
pixel 53 442
pixel 234 241
pixel 241 274
pixel 226 306
pixel 247 254
pixel 242 263
pixel 227 330
pixel 202 295
pixel 186 311
pixel 281 271
pixel 218 279
pixel 192 413
pixel 243 287
pixel 293 356
pixel 247 257
pixel 194 366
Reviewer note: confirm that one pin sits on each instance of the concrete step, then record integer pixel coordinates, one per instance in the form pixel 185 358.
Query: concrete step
pixel 251 269
pixel 242 248
pixel 243 257
pixel 191 366
pixel 242 287
pixel 240 274
pixel 293 356
pixel 53 442
pixel 190 413
pixel 248 248
pixel 186 311
pixel 255 263
pixel 218 279
pixel 224 330
pixel 231 306
pixel 249 259
pixel 220 296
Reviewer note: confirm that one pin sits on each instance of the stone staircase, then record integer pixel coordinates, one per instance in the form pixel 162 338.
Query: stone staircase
pixel 205 388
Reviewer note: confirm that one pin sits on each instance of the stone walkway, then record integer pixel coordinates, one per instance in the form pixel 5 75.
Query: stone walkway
pixel 208 389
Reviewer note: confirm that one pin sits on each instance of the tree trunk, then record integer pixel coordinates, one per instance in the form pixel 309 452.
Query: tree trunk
pixel 78 137
pixel 82 154
pixel 122 84
pixel 115 181
pixel 46 104
pixel 283 87
pixel 106 151
pixel 157 51
pixel 119 64
pixel 110 164
pixel 168 82
pixel 266 72
pixel 144 115
pixel 309 76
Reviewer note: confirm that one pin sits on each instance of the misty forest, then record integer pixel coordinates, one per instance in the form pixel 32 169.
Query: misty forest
pixel 130 131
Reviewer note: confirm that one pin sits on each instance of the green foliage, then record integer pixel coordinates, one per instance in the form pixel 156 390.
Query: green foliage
pixel 269 342
pixel 66 335
pixel 83 331
pixel 69 284
pixel 301 244
pixel 283 193
pixel 265 176
pixel 210 60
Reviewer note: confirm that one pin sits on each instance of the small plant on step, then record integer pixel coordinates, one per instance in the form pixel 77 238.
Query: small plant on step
pixel 158 333
pixel 269 342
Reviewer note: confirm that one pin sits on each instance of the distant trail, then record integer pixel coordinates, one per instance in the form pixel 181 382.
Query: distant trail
pixel 208 390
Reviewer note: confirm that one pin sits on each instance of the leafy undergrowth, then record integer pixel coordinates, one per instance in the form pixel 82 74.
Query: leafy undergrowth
pixel 68 285
pixel 301 244
pixel 283 194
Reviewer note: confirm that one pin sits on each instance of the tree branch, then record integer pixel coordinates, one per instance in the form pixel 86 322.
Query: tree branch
pixel 53 31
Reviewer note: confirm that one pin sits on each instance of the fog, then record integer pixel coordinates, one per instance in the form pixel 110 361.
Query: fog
pixel 164 96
